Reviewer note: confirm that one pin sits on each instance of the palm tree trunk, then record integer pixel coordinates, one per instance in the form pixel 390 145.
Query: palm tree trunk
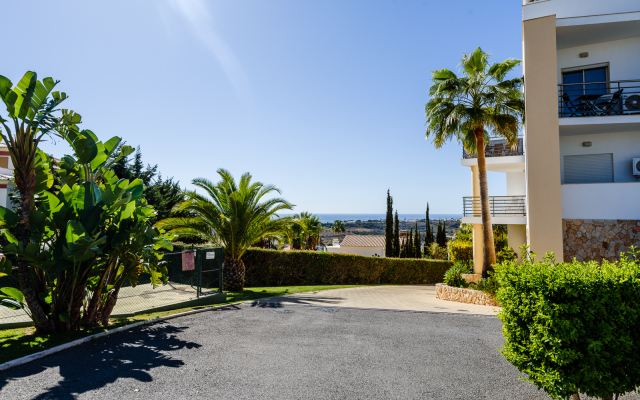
pixel 489 256
pixel 233 275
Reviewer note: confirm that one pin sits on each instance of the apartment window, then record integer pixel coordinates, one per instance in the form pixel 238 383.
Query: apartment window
pixel 585 80
pixel 588 168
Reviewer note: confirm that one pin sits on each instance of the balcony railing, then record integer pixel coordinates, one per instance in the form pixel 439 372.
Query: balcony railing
pixel 500 206
pixel 497 148
pixel 596 99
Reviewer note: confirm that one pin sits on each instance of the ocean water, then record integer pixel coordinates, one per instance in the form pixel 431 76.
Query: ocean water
pixel 329 218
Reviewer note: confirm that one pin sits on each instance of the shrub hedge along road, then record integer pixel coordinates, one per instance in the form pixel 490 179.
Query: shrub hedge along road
pixel 296 268
pixel 573 327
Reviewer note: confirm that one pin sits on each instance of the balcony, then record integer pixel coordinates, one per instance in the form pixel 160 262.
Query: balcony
pixel 497 148
pixel 599 99
pixel 504 210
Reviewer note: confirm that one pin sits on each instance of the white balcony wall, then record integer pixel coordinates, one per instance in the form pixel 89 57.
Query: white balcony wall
pixel 623 57
pixel 601 201
pixel 516 185
pixel 577 8
pixel 624 145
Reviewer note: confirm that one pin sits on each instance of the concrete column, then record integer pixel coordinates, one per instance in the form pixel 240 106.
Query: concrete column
pixel 517 237
pixel 542 136
pixel 475 191
pixel 478 248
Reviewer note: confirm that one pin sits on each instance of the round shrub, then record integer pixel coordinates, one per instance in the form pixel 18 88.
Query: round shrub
pixel 572 327
pixel 461 251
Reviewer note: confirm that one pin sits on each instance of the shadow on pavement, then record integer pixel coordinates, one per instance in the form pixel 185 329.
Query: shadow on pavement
pixel 277 302
pixel 89 367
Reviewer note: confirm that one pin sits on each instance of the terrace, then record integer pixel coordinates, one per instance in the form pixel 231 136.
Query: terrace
pixel 497 147
pixel 597 99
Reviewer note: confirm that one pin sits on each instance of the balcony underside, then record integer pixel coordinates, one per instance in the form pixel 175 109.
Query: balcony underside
pixel 594 125
pixel 497 220
pixel 498 164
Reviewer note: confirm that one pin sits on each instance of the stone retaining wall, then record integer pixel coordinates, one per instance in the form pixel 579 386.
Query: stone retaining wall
pixel 598 239
pixel 475 278
pixel 461 295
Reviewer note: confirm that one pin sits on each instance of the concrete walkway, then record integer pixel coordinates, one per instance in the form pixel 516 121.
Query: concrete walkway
pixel 400 298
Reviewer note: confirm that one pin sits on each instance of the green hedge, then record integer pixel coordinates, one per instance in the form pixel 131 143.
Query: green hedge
pixel 573 327
pixel 276 268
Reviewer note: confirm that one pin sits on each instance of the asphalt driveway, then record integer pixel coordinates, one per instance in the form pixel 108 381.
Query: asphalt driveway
pixel 302 347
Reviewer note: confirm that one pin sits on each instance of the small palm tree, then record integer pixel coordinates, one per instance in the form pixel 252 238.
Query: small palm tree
pixel 236 214
pixel 338 227
pixel 470 107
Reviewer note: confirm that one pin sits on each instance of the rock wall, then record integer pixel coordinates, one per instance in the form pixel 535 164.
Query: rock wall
pixel 598 239
pixel 446 292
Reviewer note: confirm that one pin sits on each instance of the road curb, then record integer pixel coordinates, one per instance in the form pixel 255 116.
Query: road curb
pixel 42 354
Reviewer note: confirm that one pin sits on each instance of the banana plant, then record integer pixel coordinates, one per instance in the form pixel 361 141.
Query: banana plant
pixel 32 113
pixel 87 235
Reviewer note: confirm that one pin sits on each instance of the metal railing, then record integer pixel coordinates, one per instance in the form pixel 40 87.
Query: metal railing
pixel 500 206
pixel 596 99
pixel 498 148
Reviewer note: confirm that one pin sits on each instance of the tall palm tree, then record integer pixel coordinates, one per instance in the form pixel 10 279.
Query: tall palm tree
pixel 469 108
pixel 31 115
pixel 236 214
pixel 337 227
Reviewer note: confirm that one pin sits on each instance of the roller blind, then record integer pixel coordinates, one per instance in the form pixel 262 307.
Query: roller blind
pixel 588 168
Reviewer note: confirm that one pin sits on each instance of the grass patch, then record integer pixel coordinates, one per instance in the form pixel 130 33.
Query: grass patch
pixel 20 342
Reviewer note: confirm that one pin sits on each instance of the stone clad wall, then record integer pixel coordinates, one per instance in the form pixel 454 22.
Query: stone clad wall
pixel 598 239
pixel 471 296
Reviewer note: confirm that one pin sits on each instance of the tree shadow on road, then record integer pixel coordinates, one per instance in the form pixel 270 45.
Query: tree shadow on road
pixel 278 302
pixel 133 354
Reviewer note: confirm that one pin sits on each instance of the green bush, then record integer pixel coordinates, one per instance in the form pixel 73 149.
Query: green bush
pixel 277 268
pixel 438 252
pixel 572 327
pixel 453 276
pixel 506 254
pixel 461 251
pixel 488 285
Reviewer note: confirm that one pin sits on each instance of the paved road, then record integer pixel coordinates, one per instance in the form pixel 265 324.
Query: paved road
pixel 284 350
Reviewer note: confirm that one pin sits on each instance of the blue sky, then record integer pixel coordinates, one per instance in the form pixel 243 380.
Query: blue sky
pixel 324 99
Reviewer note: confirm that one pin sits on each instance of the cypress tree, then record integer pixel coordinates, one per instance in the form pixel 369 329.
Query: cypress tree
pixel 388 228
pixel 417 252
pixel 428 234
pixel 396 237
pixel 410 249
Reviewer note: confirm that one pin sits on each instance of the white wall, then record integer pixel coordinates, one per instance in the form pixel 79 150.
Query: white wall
pixel 601 201
pixel 361 251
pixel 623 57
pixel 516 184
pixel 624 146
pixel 577 8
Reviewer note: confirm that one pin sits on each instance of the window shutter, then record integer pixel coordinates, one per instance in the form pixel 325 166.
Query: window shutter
pixel 588 168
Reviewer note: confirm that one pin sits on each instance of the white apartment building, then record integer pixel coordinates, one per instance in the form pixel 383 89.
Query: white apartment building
pixel 574 184
pixel 6 176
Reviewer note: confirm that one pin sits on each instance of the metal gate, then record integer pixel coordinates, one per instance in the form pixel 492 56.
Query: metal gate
pixel 200 268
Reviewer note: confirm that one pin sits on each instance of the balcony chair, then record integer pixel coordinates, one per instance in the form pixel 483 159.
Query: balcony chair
pixel 569 109
pixel 612 106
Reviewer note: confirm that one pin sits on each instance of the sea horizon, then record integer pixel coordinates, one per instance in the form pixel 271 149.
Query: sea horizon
pixel 329 218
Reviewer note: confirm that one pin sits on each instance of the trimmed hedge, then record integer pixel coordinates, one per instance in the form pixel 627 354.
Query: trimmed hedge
pixel 296 268
pixel 573 327
pixel 461 250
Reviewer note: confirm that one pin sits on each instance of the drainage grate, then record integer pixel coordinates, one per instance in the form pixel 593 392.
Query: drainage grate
pixel 327 310
pixel 282 311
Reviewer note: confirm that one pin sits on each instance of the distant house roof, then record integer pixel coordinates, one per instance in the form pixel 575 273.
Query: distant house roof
pixel 363 241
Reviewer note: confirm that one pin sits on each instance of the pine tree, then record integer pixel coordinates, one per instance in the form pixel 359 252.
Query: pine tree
pixel 388 228
pixel 396 237
pixel 417 252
